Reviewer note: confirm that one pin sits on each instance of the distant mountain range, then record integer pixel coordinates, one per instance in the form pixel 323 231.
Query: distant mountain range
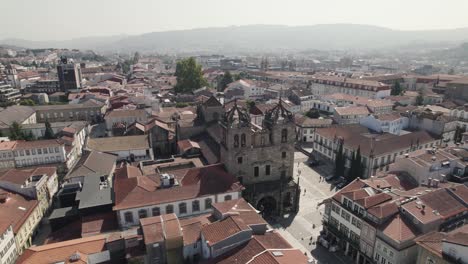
pixel 261 38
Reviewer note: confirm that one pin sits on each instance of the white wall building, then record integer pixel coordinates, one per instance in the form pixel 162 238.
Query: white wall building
pixel 8 253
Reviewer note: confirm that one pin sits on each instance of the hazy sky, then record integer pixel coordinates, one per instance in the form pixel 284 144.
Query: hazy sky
pixel 65 19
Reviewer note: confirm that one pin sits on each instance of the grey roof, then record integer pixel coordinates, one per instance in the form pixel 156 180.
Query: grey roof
pixel 14 113
pixel 93 163
pixel 63 212
pixel 92 195
pixel 112 144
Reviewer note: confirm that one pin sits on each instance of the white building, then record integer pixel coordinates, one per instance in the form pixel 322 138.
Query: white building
pixel 39 152
pixel 250 89
pixel 187 196
pixel 7 159
pixel 8 253
pixel 350 114
pixel 389 123
pixel 133 148
pixel 322 84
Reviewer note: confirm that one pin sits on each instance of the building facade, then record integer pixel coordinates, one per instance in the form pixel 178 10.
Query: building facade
pixel 262 157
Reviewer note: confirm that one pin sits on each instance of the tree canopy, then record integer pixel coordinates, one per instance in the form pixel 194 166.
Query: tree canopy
pixel 420 98
pixel 396 89
pixel 189 76
pixel 49 133
pixel 340 161
pixel 225 80
pixel 313 113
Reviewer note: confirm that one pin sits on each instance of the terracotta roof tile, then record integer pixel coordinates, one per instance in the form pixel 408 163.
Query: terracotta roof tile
pixel 62 251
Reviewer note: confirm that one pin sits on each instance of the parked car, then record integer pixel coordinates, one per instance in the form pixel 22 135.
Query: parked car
pixel 329 177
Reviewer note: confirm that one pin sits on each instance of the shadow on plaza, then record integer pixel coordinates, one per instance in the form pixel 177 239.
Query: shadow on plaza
pixel 325 257
pixel 278 221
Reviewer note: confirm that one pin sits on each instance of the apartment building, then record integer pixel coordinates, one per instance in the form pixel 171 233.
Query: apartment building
pixel 185 192
pixel 91 111
pixel 434 119
pixel 377 220
pixel 378 150
pixel 8 253
pixel 443 247
pixel 17 113
pixel 39 152
pixel 9 93
pixel 24 216
pixel 349 114
pixel 38 183
pixel 7 158
pixel 323 84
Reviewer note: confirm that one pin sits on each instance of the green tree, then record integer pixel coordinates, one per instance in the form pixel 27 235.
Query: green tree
pixel 357 167
pixel 15 131
pixel 225 80
pixel 189 76
pixel 396 89
pixel 313 113
pixel 49 132
pixel 339 161
pixel 27 102
pixel 136 58
pixel 250 104
pixel 359 164
pixel 420 98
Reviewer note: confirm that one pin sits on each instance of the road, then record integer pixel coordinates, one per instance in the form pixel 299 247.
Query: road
pixel 303 229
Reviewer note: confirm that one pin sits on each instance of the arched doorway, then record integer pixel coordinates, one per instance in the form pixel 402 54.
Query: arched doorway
pixel 267 205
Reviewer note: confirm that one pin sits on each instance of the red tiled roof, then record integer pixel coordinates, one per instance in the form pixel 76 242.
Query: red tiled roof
pixel 197 182
pixel 255 246
pixel 187 144
pixel 159 228
pixel 99 223
pixel 62 251
pixel 19 176
pixel 399 230
pixel 16 210
pixel 284 256
pixel 221 230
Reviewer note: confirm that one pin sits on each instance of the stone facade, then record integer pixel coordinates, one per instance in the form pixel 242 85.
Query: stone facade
pixel 262 157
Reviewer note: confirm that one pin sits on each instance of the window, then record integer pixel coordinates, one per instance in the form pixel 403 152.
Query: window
pixel 227 198
pixel 128 217
pixel 182 208
pixel 284 135
pixel 239 160
pixel 156 211
pixel 45 151
pixel 196 206
pixel 267 170
pixel 236 141
pixel 256 171
pixel 169 209
pixel 243 140
pixel 283 154
pixel 429 260
pixel 39 151
pixel 56 150
pixel 28 152
pixel 142 213
pixel 208 203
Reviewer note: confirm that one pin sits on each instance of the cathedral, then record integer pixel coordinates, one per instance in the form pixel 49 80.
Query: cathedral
pixel 260 154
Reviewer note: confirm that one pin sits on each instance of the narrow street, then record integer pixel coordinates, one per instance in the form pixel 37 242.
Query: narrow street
pixel 302 230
